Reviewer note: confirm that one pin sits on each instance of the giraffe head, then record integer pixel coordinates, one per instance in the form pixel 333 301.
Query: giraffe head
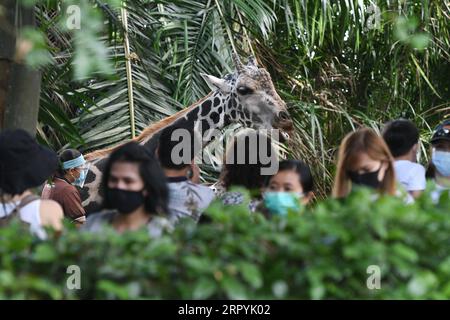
pixel 251 98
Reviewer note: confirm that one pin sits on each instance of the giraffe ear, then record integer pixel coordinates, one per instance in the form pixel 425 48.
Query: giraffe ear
pixel 252 62
pixel 216 83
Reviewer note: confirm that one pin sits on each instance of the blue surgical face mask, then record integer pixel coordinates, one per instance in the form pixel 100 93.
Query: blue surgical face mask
pixel 441 160
pixel 280 203
pixel 82 177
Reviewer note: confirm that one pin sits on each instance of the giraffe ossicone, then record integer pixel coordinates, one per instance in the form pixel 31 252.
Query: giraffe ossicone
pixel 247 96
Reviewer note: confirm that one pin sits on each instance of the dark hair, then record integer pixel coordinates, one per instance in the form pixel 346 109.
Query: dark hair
pixel 302 170
pixel 150 172
pixel 430 173
pixel 400 136
pixel 167 145
pixel 66 155
pixel 247 175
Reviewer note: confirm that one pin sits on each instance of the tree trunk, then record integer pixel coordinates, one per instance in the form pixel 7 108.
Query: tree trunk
pixel 19 85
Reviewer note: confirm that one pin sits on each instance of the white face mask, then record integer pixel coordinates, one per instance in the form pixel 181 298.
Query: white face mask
pixel 441 160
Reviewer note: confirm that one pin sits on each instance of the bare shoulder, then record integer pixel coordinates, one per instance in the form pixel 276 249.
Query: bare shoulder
pixel 51 206
pixel 51 213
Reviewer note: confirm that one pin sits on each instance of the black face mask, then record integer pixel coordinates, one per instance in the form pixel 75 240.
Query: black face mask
pixel 123 201
pixel 369 179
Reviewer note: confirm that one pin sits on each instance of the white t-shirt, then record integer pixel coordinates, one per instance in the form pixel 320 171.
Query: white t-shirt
pixel 29 214
pixel 437 192
pixel 410 175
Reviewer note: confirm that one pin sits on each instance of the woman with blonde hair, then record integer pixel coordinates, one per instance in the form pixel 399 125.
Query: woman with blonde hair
pixel 364 160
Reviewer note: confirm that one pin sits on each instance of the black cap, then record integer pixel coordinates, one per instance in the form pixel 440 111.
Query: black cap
pixel 24 164
pixel 442 132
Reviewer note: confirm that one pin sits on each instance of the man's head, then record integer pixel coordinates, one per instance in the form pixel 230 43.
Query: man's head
pixel 402 137
pixel 72 167
pixel 177 148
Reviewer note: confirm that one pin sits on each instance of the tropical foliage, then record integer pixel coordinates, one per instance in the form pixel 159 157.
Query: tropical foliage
pixel 353 249
pixel 339 64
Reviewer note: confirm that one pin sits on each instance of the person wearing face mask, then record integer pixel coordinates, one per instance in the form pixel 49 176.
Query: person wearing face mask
pixel 187 198
pixel 439 167
pixel 135 193
pixel 70 174
pixel 364 160
pixel 289 189
pixel 248 155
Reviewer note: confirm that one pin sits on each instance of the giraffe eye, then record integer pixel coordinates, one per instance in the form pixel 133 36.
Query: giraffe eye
pixel 242 90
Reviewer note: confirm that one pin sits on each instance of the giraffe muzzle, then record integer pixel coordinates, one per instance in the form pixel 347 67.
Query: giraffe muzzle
pixel 284 123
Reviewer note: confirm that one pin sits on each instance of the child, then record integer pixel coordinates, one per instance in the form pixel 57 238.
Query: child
pixel 402 138
pixel 289 188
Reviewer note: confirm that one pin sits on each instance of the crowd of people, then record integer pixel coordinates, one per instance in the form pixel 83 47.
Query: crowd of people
pixel 141 189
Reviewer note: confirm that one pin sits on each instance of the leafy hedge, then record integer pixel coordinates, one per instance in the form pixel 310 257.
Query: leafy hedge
pixel 322 253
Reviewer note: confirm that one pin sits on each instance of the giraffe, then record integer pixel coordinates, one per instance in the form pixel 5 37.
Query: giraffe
pixel 246 96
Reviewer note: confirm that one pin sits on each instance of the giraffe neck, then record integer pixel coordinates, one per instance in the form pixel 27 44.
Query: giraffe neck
pixel 214 112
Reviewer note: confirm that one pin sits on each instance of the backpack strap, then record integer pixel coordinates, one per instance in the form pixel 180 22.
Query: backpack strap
pixel 24 202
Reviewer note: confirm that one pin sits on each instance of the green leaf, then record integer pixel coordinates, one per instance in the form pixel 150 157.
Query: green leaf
pixel 251 274
pixel 420 41
pixel 405 252
pixel 234 289
pixel 204 288
pixel 421 284
pixel 45 252
pixel 113 290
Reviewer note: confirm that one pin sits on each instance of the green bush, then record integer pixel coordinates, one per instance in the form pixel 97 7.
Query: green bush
pixel 323 253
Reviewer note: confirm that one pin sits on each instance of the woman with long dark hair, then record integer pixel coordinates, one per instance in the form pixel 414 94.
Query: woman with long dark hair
pixel 247 164
pixel 135 193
